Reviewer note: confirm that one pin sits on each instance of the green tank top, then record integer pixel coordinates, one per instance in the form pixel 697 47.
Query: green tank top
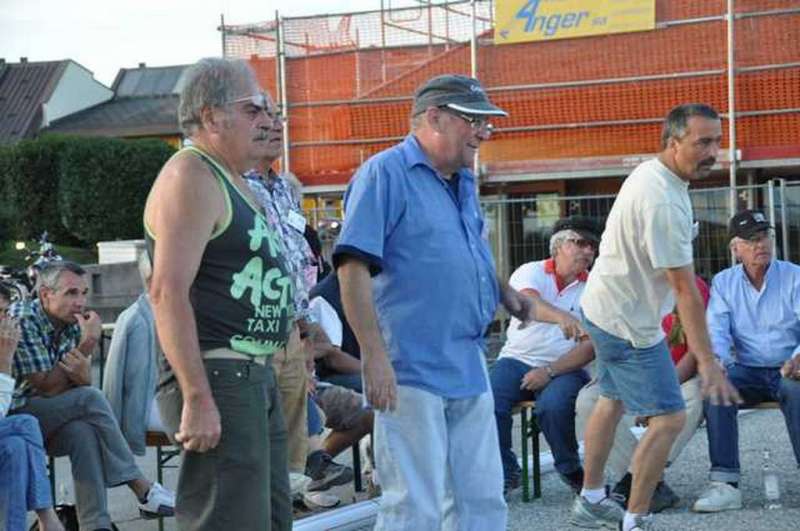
pixel 242 294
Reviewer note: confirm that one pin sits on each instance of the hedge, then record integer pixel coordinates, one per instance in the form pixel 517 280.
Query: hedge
pixel 31 189
pixel 81 190
pixel 104 184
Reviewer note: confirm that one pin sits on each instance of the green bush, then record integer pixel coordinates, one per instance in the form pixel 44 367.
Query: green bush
pixel 30 189
pixel 80 190
pixel 104 184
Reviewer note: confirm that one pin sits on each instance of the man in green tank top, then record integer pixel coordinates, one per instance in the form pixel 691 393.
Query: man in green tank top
pixel 222 301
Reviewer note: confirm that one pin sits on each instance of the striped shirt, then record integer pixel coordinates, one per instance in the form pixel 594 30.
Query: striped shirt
pixel 40 346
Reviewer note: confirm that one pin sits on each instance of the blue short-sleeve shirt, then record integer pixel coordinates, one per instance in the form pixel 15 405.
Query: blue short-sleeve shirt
pixel 434 280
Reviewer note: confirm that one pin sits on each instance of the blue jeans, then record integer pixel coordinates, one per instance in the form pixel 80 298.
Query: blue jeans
pixel 756 385
pixel 315 426
pixel 23 475
pixel 555 413
pixel 643 379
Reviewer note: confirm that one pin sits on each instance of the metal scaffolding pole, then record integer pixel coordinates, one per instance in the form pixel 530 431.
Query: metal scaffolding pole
pixel 222 31
pixel 731 110
pixel 786 253
pixel 282 87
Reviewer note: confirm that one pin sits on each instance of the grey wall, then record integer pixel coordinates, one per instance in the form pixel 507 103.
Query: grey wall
pixel 112 288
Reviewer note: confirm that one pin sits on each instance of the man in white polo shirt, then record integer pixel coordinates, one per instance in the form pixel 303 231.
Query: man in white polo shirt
pixel 538 362
pixel 644 268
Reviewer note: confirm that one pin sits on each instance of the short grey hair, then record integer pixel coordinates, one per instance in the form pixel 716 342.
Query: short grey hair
pixel 211 82
pixel 50 273
pixel 676 121
pixel 417 121
pixel 558 239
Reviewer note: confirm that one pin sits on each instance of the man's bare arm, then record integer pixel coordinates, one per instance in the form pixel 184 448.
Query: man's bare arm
pixel 380 383
pixel 686 367
pixel 182 211
pixel 50 383
pixel 340 361
pixel 333 357
pixel 542 311
pixel 577 357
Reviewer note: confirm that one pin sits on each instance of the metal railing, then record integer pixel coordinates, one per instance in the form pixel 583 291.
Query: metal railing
pixel 519 227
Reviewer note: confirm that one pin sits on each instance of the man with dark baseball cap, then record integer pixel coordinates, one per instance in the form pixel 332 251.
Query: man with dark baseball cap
pixel 585 226
pixel 754 305
pixel 413 223
pixel 746 224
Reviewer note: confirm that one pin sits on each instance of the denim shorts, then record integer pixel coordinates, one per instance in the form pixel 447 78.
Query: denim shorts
pixel 644 379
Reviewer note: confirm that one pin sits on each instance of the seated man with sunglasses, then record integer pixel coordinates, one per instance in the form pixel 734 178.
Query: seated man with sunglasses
pixel 538 362
pixel 754 311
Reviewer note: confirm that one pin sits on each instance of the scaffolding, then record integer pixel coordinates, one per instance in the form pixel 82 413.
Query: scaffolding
pixel 592 104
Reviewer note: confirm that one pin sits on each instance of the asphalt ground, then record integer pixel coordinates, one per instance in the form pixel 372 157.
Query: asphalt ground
pixel 759 429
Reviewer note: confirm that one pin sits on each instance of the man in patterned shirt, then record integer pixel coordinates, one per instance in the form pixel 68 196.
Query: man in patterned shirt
pixel 52 366
pixel 279 196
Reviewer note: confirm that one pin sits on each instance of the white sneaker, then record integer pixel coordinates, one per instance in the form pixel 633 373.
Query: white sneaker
pixel 298 483
pixel 320 500
pixel 160 502
pixel 718 497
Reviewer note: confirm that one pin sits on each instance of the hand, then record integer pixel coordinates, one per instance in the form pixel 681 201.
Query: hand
pixel 9 338
pixel 200 427
pixel 535 379
pixel 380 383
pixel 571 327
pixel 791 369
pixel 519 305
pixel 91 327
pixel 78 367
pixel 716 386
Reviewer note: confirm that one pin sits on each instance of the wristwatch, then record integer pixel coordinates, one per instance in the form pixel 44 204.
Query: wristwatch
pixel 549 370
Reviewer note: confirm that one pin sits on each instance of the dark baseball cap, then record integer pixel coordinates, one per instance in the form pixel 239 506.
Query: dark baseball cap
pixel 460 93
pixel 746 223
pixel 583 225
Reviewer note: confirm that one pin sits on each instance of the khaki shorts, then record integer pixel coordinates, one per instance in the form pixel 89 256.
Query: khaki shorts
pixel 343 408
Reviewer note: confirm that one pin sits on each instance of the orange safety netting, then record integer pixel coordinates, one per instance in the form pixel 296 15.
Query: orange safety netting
pixel 349 80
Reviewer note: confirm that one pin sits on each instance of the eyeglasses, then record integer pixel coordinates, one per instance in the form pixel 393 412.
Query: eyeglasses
pixel 583 243
pixel 261 103
pixel 479 124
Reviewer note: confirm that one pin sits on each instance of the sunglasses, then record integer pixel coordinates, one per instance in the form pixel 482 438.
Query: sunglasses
pixel 261 102
pixel 477 123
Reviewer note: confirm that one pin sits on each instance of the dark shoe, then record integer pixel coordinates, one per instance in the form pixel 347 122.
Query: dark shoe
pixel 511 483
pixel 663 498
pixel 325 472
pixel 622 490
pixel 574 480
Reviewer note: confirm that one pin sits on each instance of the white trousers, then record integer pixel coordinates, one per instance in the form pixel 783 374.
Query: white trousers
pixel 439 464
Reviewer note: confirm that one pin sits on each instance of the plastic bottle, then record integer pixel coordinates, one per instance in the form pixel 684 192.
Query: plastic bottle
pixel 772 487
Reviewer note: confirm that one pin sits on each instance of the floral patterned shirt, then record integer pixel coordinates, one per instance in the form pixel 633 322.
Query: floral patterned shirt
pixel 282 206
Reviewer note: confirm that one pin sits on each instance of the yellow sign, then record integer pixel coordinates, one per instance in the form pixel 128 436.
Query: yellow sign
pixel 544 20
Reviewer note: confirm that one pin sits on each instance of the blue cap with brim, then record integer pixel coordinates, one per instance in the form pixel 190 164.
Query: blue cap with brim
pixel 460 93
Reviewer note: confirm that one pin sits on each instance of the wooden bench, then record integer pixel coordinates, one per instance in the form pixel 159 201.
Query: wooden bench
pixel 529 429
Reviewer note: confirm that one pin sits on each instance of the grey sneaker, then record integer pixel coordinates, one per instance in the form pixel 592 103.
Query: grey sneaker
pixel 645 523
pixel 325 472
pixel 663 498
pixel 605 513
